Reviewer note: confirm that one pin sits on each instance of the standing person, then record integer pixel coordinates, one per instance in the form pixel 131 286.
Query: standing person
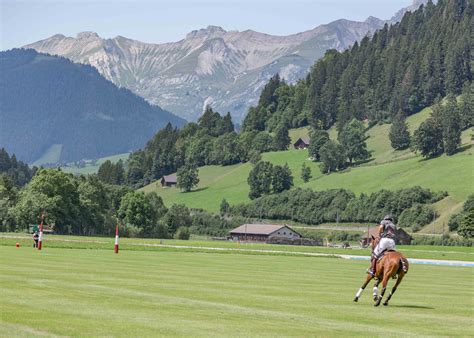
pixel 35 239
pixel 388 235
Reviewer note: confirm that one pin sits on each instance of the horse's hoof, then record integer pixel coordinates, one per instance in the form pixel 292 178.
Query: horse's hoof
pixel 385 304
pixel 356 299
pixel 377 304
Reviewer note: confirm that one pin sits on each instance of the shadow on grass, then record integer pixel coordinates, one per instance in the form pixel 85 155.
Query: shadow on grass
pixel 196 190
pixel 463 148
pixel 413 307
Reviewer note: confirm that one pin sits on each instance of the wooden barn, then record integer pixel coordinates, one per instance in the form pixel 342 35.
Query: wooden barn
pixel 403 238
pixel 169 180
pixel 301 143
pixel 263 232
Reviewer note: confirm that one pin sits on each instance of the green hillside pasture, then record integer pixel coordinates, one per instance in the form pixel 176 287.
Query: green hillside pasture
pixel 51 155
pixel 94 168
pixel 69 292
pixel 206 245
pixel 452 174
pixel 378 141
pixel 444 208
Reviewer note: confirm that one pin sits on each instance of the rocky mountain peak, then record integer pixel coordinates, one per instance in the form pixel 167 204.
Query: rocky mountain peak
pixel 87 35
pixel 207 33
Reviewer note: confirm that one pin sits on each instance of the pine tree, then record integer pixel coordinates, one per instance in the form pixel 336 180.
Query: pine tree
pixel 352 138
pixel 451 126
pixel 428 138
pixel 466 107
pixel 305 173
pixel 224 207
pixel 399 135
pixel 282 140
pixel 318 138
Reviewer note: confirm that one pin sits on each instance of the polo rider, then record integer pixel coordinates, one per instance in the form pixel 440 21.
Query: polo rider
pixel 388 236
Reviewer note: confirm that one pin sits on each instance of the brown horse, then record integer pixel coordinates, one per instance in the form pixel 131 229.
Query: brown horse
pixel 392 265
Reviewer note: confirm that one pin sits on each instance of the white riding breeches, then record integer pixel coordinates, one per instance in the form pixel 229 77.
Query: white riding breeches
pixel 384 244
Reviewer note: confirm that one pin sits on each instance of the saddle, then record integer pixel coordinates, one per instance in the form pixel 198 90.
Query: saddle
pixel 382 254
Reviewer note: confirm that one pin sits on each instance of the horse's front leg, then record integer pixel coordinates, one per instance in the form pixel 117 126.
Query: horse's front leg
pixel 368 279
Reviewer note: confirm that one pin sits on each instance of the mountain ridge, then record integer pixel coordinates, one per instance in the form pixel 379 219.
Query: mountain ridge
pixel 48 100
pixel 209 66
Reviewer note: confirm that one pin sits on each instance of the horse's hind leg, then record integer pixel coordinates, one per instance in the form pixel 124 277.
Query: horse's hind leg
pixel 356 298
pixel 376 289
pixel 385 279
pixel 399 279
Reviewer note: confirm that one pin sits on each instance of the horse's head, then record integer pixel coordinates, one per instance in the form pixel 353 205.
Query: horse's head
pixel 375 241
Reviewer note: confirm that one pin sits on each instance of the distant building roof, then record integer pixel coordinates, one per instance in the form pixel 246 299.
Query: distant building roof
pixel 170 178
pixel 259 229
pixel 304 140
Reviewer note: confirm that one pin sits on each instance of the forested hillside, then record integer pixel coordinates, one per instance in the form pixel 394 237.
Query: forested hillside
pixel 400 69
pixel 395 73
pixel 46 101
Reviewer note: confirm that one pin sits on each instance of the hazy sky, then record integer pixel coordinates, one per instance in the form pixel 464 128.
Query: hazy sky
pixel 25 21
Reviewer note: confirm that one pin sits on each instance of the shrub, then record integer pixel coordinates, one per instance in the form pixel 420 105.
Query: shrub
pixel 182 233
pixel 416 217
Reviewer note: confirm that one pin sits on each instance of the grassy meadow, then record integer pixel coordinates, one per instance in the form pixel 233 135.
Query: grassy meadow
pixel 90 168
pixel 77 292
pixel 389 169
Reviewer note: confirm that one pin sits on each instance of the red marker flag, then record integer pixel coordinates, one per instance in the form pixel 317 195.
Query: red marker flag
pixel 116 239
pixel 40 239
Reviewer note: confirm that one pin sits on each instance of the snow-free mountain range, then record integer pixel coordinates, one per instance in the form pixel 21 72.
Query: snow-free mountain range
pixel 226 69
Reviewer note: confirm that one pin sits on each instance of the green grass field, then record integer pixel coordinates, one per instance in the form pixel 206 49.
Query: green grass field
pixel 206 245
pixel 51 155
pixel 94 168
pixel 74 292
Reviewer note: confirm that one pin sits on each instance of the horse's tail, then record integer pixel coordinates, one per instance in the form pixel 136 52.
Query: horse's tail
pixel 404 264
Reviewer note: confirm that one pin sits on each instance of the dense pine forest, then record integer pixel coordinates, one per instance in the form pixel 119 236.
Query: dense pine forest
pixel 400 69
pixel 48 100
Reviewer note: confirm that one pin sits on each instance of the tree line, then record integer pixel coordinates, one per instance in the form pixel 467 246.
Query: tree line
pixel 339 205
pixel 212 140
pixel 84 205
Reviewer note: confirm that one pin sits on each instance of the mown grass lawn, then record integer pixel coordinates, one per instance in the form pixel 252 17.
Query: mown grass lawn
pixel 200 245
pixel 76 292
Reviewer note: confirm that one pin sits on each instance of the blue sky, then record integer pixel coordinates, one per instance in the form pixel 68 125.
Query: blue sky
pixel 26 21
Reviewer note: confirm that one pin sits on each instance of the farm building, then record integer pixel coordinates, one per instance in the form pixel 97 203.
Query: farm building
pixel 169 180
pixel 301 143
pixel 263 232
pixel 403 237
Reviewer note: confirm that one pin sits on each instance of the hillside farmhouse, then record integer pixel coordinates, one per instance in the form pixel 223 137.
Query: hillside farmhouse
pixel 301 143
pixel 263 232
pixel 169 180
pixel 403 238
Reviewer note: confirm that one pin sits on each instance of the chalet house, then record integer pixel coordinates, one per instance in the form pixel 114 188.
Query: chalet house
pixel 301 143
pixel 263 232
pixel 403 238
pixel 169 180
